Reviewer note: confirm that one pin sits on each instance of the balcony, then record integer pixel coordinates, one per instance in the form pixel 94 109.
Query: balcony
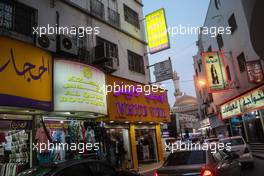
pixel 97 8
pixel 113 17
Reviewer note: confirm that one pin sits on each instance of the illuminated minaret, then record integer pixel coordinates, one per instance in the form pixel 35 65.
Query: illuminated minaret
pixel 176 82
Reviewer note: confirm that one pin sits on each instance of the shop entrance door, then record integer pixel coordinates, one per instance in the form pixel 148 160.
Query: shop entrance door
pixel 146 146
pixel 255 131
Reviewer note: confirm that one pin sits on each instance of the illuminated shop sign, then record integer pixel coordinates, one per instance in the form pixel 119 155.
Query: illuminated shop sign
pixel 254 71
pixel 78 88
pixel 25 75
pixel 215 71
pixel 157 33
pixel 136 104
pixel 251 101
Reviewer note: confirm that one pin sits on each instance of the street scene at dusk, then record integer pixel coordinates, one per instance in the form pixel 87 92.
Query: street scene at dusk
pixel 131 88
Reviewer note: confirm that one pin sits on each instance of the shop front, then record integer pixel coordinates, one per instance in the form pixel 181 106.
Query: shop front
pixel 72 130
pixel 218 126
pixel 245 114
pixel 25 92
pixel 135 114
pixel 205 128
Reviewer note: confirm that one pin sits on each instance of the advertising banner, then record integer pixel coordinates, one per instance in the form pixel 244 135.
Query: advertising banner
pixel 163 70
pixel 248 102
pixel 134 102
pixel 156 27
pixel 25 75
pixel 254 71
pixel 78 88
pixel 215 71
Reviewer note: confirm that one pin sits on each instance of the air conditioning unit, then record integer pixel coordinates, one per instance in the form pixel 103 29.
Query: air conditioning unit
pixel 100 54
pixel 112 64
pixel 47 42
pixel 67 45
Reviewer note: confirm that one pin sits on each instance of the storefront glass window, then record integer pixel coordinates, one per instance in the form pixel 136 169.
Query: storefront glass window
pixel 14 146
pixel 69 140
pixel 237 126
pixel 118 150
pixel 146 146
pixel 253 125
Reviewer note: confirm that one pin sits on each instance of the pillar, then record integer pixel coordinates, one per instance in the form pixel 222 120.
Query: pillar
pixel 133 146
pixel 159 143
pixel 245 128
pixel 261 119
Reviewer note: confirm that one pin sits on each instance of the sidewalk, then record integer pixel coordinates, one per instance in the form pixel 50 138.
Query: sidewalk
pixel 144 168
pixel 258 155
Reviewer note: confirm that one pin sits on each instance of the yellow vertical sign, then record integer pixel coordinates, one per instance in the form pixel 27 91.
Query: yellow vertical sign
pixel 215 71
pixel 157 33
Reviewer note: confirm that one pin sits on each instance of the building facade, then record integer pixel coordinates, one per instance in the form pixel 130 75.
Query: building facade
pixel 241 52
pixel 57 56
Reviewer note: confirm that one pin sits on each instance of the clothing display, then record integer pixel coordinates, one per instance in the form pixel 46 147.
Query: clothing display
pixel 14 152
pixel 89 135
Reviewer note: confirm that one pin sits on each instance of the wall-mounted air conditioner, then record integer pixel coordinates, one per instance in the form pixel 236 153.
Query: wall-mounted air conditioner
pixel 67 45
pixel 47 42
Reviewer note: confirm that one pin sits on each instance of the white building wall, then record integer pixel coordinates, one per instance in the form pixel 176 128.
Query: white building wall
pixel 236 43
pixel 127 37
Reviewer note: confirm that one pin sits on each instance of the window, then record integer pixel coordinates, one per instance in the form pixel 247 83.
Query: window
pixel 111 48
pixel 241 62
pixel 131 16
pixel 97 8
pixel 199 66
pixel 220 41
pixel 209 49
pixel 211 99
pixel 113 17
pixel 217 156
pixel 6 15
pixel 234 142
pixel 135 62
pixel 99 168
pixel 232 23
pixel 79 38
pixel 228 73
pixel 186 158
pixel 17 17
pixel 217 4
pixel 81 169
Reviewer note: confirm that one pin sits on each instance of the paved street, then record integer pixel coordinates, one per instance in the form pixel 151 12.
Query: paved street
pixel 256 171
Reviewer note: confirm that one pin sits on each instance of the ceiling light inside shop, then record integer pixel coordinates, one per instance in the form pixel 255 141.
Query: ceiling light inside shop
pixel 111 121
pixel 127 122
pixel 139 122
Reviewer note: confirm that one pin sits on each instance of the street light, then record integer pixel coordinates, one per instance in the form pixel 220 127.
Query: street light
pixel 202 82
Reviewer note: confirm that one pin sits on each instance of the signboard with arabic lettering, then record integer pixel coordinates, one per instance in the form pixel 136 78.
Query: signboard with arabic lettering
pixel 25 75
pixel 254 71
pixel 133 103
pixel 156 27
pixel 215 71
pixel 163 70
pixel 251 101
pixel 78 88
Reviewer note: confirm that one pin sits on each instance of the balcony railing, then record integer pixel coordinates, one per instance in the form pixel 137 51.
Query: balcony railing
pixel 113 17
pixel 97 8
